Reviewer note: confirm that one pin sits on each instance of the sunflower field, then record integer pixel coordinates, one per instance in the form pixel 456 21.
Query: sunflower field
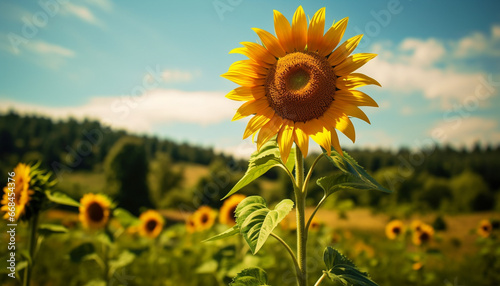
pixel 84 204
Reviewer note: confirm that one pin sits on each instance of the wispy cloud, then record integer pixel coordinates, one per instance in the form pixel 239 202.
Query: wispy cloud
pixel 80 12
pixel 141 113
pixel 105 5
pixel 42 47
pixel 174 76
pixel 467 131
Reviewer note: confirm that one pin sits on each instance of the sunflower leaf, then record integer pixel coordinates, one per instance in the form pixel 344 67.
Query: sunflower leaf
pixel 342 271
pixel 125 218
pixel 260 162
pixel 343 181
pixel 230 232
pixel 256 221
pixel 78 253
pixel 48 229
pixel 250 277
pixel 358 178
pixel 61 198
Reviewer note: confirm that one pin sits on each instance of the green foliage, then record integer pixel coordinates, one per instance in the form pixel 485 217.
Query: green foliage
pixel 48 229
pixel 260 162
pixel 342 271
pixel 61 199
pixel 126 170
pixel 250 277
pixel 125 218
pixel 78 253
pixel 255 222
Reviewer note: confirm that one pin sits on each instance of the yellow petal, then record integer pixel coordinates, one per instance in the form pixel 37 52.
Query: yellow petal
pixel 239 77
pixel 283 31
pixel 316 128
pixel 341 122
pixel 354 80
pixel 249 66
pixel 270 42
pixel 257 122
pixel 285 139
pixel 244 93
pixel 332 37
pixel 352 63
pixel 344 50
pixel 269 130
pixel 336 143
pixel 316 30
pixel 301 138
pixel 256 52
pixel 354 111
pixel 355 97
pixel 251 107
pixel 299 29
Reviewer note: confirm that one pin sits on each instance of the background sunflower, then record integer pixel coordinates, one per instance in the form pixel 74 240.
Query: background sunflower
pixel 226 213
pixel 94 211
pixel 151 223
pixel 22 192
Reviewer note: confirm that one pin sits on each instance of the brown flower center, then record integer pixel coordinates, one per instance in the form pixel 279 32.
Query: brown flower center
pixel 95 212
pixel 300 86
pixel 396 230
pixel 424 236
pixel 151 225
pixel 230 214
pixel 204 218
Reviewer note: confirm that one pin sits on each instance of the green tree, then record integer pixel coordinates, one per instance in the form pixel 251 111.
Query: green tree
pixel 126 168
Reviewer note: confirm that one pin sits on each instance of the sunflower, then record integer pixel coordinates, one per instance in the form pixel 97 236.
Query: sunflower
pixel 94 211
pixel 394 229
pixel 424 235
pixel 190 224
pixel 485 227
pixel 226 214
pixel 204 218
pixel 151 223
pixel 298 86
pixel 417 266
pixel 20 187
pixel 416 225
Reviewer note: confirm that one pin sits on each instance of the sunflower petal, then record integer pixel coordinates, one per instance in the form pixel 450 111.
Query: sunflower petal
pixel 344 50
pixel 270 129
pixel 354 111
pixel 336 143
pixel 270 42
pixel 341 122
pixel 257 122
pixel 285 139
pixel 352 63
pixel 251 107
pixel 316 128
pixel 316 30
pixel 243 79
pixel 245 93
pixel 248 66
pixel 332 37
pixel 283 31
pixel 354 80
pixel 355 97
pixel 299 29
pixel 255 52
pixel 301 138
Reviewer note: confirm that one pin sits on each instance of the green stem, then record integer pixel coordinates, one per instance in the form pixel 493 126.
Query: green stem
pixel 300 201
pixel 290 251
pixel 320 279
pixel 105 254
pixel 31 249
pixel 314 212
pixel 306 181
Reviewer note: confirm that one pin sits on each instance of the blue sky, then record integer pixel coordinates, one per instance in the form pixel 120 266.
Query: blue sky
pixel 155 68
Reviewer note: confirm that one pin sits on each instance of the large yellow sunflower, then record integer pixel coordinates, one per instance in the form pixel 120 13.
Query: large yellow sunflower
pixel 226 214
pixel 151 223
pixel 394 229
pixel 298 86
pixel 21 192
pixel 94 211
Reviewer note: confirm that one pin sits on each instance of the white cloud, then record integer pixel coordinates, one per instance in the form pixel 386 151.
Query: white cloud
pixel 81 12
pixel 467 131
pixel 141 113
pixel 174 76
pixel 42 47
pixel 430 66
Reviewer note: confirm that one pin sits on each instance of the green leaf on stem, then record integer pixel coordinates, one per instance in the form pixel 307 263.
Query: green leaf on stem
pixel 260 162
pixel 125 218
pixel 124 259
pixel 61 199
pixel 48 229
pixel 256 222
pixel 250 277
pixel 230 232
pixel 353 177
pixel 342 271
